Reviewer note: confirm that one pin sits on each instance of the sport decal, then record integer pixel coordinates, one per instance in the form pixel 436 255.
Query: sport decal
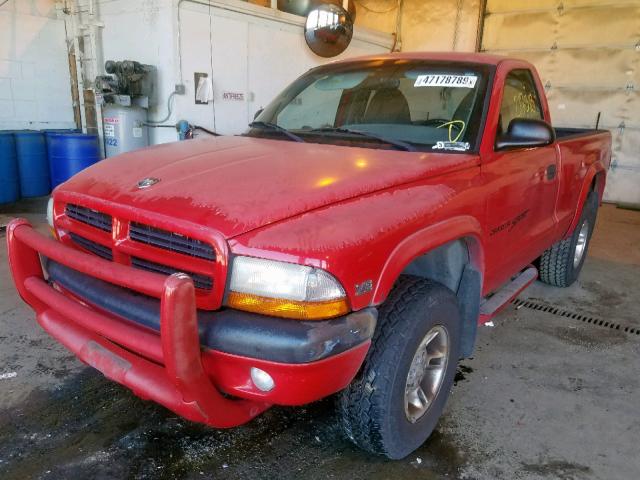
pixel 510 225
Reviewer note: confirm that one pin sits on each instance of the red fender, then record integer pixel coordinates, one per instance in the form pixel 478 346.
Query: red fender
pixel 595 169
pixel 425 240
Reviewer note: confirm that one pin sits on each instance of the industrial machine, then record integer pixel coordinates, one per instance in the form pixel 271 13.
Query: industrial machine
pixel 126 94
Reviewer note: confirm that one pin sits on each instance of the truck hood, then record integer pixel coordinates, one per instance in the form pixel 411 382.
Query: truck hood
pixel 237 184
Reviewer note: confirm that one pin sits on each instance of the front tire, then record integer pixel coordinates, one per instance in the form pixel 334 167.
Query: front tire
pixel 394 403
pixel 560 265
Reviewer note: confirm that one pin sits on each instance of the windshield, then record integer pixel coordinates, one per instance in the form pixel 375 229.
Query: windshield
pixel 417 105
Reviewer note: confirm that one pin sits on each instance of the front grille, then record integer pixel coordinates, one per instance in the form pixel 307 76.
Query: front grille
pixel 89 216
pixel 143 234
pixel 202 282
pixel 93 247
pixel 171 241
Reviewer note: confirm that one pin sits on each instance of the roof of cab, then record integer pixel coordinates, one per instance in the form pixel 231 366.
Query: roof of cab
pixel 481 58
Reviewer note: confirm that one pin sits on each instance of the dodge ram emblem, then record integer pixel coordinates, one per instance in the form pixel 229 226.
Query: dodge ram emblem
pixel 147 182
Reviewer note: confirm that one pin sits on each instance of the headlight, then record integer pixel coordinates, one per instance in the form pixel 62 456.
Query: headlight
pixel 285 290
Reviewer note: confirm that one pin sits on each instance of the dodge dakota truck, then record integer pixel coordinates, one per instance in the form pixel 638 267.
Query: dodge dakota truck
pixel 349 243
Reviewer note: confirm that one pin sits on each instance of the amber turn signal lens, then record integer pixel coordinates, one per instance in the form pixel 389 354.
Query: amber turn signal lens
pixel 278 307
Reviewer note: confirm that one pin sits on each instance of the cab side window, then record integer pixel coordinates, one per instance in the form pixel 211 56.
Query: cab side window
pixel 520 99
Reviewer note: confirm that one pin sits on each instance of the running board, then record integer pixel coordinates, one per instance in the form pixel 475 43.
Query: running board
pixel 489 307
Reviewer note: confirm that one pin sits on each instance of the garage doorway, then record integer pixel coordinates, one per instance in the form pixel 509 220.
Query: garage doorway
pixel 588 55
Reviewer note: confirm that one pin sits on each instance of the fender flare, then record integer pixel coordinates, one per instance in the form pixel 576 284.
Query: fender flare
pixel 425 240
pixel 595 169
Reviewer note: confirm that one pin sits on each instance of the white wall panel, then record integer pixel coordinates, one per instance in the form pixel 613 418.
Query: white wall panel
pixel 194 34
pixel 230 70
pixel 35 88
pixel 267 75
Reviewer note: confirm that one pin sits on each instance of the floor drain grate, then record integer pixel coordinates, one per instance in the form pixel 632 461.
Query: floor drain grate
pixel 541 307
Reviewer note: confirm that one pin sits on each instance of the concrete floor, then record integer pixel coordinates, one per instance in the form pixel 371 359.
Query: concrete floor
pixel 545 397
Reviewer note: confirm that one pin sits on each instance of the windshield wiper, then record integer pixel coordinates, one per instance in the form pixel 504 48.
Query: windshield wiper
pixel 277 128
pixel 396 143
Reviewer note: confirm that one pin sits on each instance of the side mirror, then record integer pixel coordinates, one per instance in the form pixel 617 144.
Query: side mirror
pixel 255 115
pixel 526 133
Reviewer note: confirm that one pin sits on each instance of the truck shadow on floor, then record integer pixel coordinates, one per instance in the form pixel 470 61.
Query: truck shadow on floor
pixel 89 427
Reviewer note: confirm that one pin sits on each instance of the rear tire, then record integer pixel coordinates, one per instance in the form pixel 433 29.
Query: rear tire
pixel 382 411
pixel 560 265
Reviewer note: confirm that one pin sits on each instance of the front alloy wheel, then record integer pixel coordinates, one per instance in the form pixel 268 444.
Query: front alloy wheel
pixel 426 373
pixel 581 243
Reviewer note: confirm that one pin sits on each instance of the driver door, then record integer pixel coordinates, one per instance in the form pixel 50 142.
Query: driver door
pixel 523 186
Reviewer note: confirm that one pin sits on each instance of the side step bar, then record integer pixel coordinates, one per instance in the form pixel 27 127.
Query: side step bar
pixel 490 306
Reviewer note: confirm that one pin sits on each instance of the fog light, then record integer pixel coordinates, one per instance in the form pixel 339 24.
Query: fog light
pixel 262 379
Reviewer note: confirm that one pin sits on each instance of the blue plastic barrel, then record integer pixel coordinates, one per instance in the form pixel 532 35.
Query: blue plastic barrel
pixel 48 132
pixel 69 153
pixel 33 165
pixel 9 183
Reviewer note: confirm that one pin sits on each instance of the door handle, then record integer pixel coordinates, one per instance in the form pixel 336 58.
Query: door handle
pixel 551 171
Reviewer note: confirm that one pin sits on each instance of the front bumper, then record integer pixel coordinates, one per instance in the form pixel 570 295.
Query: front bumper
pixel 167 364
pixel 230 331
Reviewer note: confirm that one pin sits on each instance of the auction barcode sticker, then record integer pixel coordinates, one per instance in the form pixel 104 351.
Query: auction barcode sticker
pixel 443 80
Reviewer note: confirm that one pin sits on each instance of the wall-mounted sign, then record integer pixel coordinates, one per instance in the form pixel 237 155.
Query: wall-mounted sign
pixel 233 96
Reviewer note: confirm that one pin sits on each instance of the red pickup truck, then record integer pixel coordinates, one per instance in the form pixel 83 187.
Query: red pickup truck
pixel 349 242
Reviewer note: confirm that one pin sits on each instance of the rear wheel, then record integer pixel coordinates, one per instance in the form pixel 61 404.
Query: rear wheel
pixel 394 403
pixel 560 265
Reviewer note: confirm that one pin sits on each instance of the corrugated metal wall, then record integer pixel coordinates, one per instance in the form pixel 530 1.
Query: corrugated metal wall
pixel 588 55
pixel 436 25
pixel 439 25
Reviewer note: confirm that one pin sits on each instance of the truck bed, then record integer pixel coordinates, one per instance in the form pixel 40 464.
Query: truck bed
pixel 563 133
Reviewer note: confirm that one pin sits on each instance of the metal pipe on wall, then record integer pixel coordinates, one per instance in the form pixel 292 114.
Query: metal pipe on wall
pixel 96 59
pixel 482 11
pixel 88 66
pixel 398 33
pixel 456 24
pixel 71 17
